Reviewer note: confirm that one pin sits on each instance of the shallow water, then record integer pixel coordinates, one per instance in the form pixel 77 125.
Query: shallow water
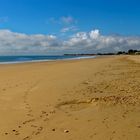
pixel 23 59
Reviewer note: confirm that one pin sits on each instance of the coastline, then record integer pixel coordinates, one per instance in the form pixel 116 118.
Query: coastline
pixel 46 60
pixel 96 98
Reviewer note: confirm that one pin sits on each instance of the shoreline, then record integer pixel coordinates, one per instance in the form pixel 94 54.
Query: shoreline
pixel 47 60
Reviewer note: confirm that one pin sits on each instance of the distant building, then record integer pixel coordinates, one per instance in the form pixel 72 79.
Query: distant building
pixel 137 53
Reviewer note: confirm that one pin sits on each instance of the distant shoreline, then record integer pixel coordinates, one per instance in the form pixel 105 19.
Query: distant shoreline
pixel 33 59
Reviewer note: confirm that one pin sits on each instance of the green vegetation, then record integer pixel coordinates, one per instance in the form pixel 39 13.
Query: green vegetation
pixel 129 52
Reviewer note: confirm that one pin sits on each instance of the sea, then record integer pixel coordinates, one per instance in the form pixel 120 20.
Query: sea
pixel 37 58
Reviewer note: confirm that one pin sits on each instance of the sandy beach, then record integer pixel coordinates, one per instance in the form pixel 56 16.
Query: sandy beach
pixel 89 99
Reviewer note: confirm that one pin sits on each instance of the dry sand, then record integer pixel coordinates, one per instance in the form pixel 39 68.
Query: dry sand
pixel 92 99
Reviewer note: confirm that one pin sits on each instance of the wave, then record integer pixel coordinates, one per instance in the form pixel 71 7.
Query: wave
pixel 32 59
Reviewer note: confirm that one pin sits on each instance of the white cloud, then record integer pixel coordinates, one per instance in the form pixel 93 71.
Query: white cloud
pixel 69 29
pixel 67 20
pixel 14 43
pixel 95 42
pixel 82 42
pixel 94 34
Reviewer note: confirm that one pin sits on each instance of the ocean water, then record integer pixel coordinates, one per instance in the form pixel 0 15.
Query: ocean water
pixel 25 59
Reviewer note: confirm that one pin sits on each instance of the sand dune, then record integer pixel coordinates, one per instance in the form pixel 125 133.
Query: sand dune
pixel 91 99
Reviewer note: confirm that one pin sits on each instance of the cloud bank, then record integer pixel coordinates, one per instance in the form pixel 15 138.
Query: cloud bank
pixel 12 43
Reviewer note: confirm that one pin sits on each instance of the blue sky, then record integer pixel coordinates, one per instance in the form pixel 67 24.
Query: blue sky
pixel 71 23
pixel 33 16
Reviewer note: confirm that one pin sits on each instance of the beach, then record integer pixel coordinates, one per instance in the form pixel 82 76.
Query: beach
pixel 88 99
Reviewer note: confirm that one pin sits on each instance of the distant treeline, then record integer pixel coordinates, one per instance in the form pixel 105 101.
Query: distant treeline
pixel 129 52
pixel 79 54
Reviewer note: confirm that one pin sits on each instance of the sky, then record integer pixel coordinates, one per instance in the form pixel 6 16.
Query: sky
pixel 68 26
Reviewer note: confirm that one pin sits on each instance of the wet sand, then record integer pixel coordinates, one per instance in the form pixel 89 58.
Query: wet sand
pixel 91 99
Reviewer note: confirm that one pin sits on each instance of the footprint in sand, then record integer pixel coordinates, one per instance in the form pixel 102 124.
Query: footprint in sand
pixel 30 111
pixel 4 89
pixel 39 130
pixel 30 115
pixel 27 138
pixel 52 111
pixel 33 126
pixel 46 119
pixel 44 115
pixel 16 132
pixel 28 121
